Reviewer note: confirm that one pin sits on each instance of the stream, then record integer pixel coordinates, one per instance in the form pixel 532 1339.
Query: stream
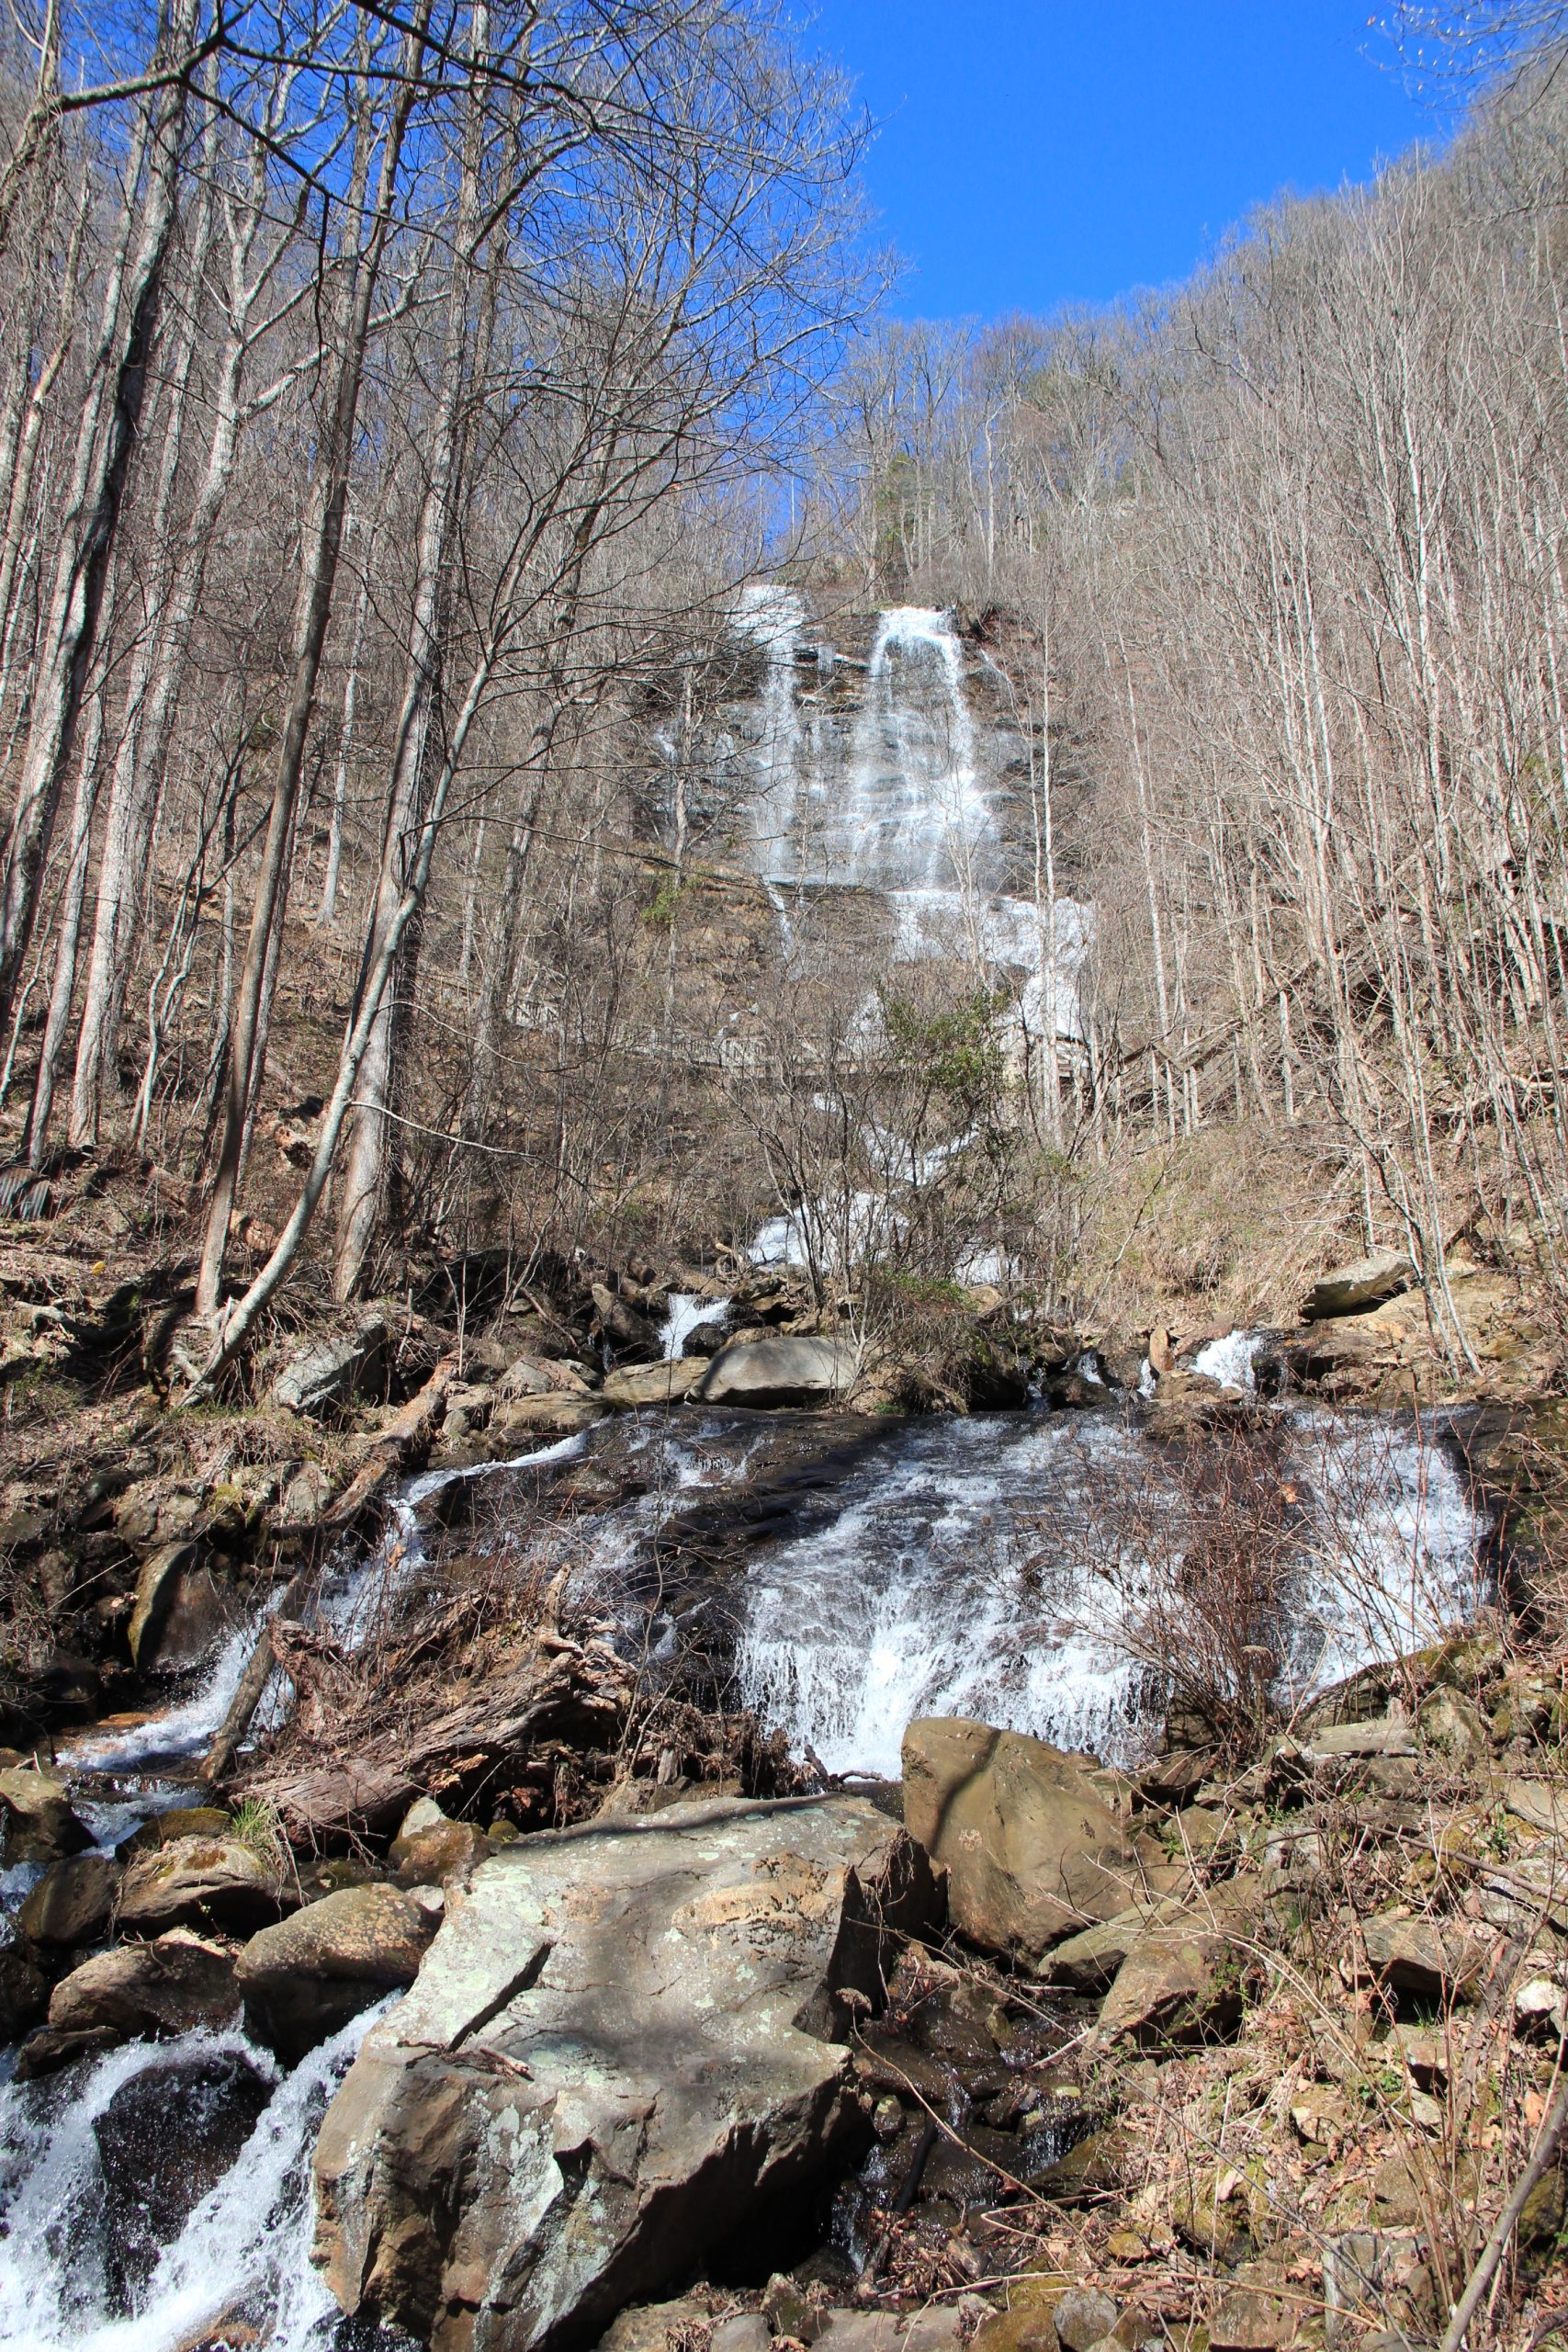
pixel 838 1575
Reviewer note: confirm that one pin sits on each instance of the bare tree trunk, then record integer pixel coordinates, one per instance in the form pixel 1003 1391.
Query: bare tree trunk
pixel 72 899
pixel 365 1168
pixel 118 384
pixel 326 913
pixel 312 611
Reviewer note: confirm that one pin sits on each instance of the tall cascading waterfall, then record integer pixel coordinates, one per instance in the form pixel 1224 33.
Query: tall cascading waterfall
pixel 895 801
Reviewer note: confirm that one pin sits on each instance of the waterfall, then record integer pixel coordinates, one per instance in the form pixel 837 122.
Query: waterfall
pixel 912 814
pixel 239 2257
pixel 934 1582
pixel 686 1313
pixel 770 617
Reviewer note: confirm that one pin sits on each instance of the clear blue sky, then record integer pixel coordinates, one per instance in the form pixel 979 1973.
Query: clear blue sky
pixel 1036 151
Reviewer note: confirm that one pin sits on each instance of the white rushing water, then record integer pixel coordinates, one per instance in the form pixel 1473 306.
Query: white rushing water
pixel 771 616
pixel 181 1731
pixel 911 812
pixel 1233 1361
pixel 242 2255
pixel 954 1576
pixel 686 1313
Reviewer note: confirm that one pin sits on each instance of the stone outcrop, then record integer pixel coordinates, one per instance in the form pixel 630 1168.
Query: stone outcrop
pixel 778 1371
pixel 1032 1850
pixel 330 1372
pixel 308 1975
pixel 653 1384
pixel 181 1608
pixel 1178 1982
pixel 551 1414
pixel 1350 1290
pixel 617 2055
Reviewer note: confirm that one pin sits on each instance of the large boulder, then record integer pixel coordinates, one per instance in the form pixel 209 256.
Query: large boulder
pixel 308 1975
pixel 166 2137
pixel 1178 1982
pixel 779 1372
pixel 24 1994
pixel 169 1986
pixel 620 2053
pixel 181 1609
pixel 551 1415
pixel 36 1824
pixel 1031 1848
pixel 330 1372
pixel 652 1383
pixel 1351 1289
pixel 196 1882
pixel 74 1900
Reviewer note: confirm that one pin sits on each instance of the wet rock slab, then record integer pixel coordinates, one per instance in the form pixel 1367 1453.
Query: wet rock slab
pixel 617 2055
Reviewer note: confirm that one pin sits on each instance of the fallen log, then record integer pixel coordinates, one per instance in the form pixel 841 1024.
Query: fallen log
pixel 408 1431
pixel 579 1691
pixel 248 1690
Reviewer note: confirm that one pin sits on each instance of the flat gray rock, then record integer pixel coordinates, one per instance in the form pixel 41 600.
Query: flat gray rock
pixel 779 1372
pixel 618 2054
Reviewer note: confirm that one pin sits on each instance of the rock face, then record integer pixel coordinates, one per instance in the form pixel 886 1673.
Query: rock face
pixel 616 2056
pixel 310 1974
pixel 1030 1848
pixel 153 2179
pixel 181 1609
pixel 551 1415
pixel 73 1901
pixel 1174 1985
pixel 778 1371
pixel 652 1383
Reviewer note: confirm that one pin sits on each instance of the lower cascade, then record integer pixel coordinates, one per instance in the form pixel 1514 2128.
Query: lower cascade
pixel 140 2216
pixel 158 2194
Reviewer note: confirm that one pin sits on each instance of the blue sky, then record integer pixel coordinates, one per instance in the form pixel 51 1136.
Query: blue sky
pixel 1037 151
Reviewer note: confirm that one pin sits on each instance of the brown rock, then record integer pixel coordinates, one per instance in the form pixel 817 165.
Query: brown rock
pixel 1349 1289
pixel 1020 1828
pixel 1088 1962
pixel 1178 1983
pixel 652 1383
pixel 189 1881
pixel 46 2052
pixel 1379 1737
pixel 24 1995
pixel 1083 2315
pixel 768 1373
pixel 1255 2319
pixel 614 2060
pixel 166 1986
pixel 654 2327
pixel 182 1607
pixel 1025 2327
pixel 304 1978
pixel 180 1821
pixel 428 1849
pixel 1421 1956
pixel 37 1819
pixel 72 1902
pixel 551 1415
